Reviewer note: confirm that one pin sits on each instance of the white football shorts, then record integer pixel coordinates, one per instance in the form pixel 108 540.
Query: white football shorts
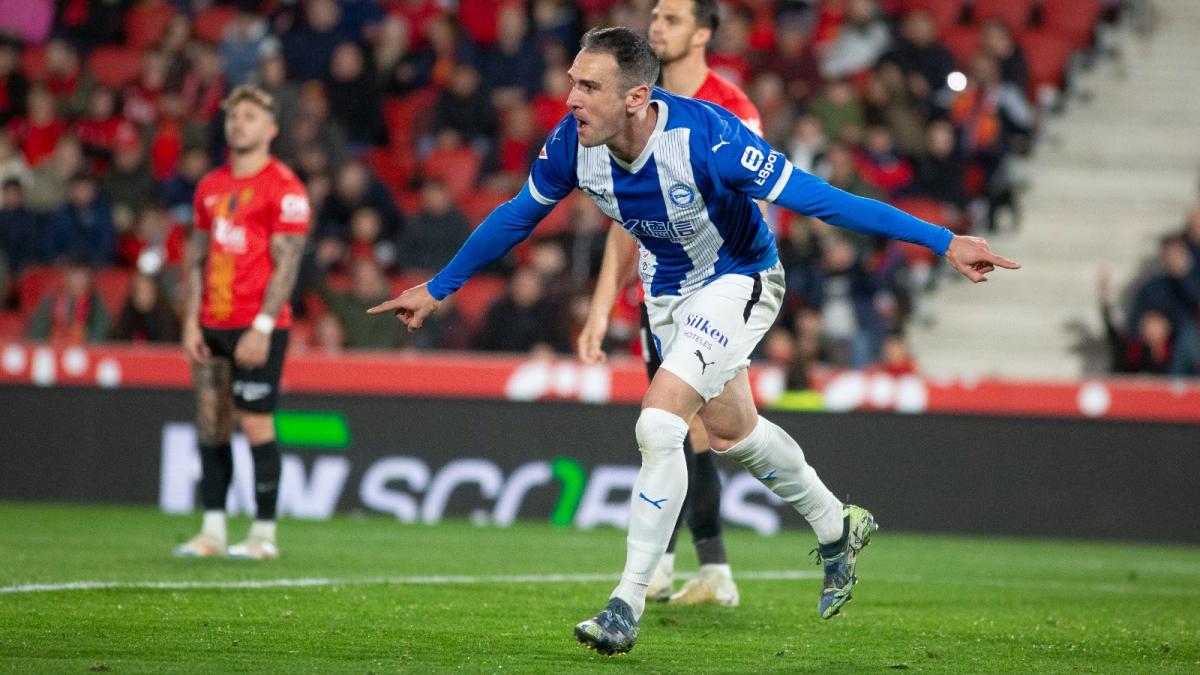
pixel 706 337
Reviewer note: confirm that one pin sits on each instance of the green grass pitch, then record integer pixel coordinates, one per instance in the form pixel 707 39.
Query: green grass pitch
pixel 387 597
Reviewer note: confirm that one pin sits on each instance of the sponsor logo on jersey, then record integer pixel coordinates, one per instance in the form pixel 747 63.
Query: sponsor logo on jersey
pixel 698 323
pixel 752 158
pixel 681 194
pixel 769 168
pixel 293 208
pixel 674 230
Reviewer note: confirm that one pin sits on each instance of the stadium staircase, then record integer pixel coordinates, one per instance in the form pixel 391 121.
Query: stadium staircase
pixel 1111 174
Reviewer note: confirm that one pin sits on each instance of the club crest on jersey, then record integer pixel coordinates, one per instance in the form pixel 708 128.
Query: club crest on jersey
pixel 681 194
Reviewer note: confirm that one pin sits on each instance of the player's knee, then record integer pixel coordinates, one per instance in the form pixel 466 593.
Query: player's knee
pixel 659 433
pixel 258 427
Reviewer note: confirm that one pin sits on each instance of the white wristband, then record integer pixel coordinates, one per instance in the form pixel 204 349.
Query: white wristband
pixel 264 323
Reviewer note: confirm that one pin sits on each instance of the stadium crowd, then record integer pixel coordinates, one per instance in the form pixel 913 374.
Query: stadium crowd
pixel 409 120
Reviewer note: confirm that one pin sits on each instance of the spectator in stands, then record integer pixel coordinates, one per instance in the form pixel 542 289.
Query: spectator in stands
pixel 355 188
pixel 841 171
pixel 311 127
pixel 147 315
pixel 448 48
pixel 557 25
pixel 1191 234
pixel 67 80
pixel 841 112
pixel 939 174
pixel 994 119
pixel 999 43
pixel 880 165
pixel 355 98
pixel 82 228
pixel 399 68
pixel 13 85
pixel 273 78
pixel 75 313
pixel 309 45
pixel 49 187
pixel 1175 293
pixel 39 131
pixel 896 358
pixel 20 234
pixel 1148 350
pixel 549 105
pixel 861 39
pixel 888 102
pixel 368 287
pixel 141 97
pixel 130 182
pixel 925 63
pixel 517 147
pixel 807 145
pixel 435 233
pixel 328 336
pixel 154 233
pixel 523 319
pixel 513 67
pixel 465 107
pixel 12 162
pixel 846 296
pixel 99 129
pixel 177 191
pixel 367 240
pixel 793 61
pixel 204 85
pixel 245 42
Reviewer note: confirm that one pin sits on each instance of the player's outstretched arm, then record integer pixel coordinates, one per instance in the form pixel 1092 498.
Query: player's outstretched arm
pixel 412 306
pixel 620 250
pixel 973 258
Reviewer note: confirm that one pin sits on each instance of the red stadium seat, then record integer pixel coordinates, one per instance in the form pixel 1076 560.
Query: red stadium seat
pixel 457 168
pixel 33 63
pixel 409 117
pixel 963 42
pixel 392 168
pixel 112 283
pixel 115 67
pixel 1073 19
pixel 477 296
pixel 12 325
pixel 210 24
pixel 946 13
pixel 1047 53
pixel 146 23
pixel 477 205
pixel 1014 13
pixel 33 284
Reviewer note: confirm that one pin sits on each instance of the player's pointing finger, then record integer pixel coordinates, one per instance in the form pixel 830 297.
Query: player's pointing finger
pixel 1000 261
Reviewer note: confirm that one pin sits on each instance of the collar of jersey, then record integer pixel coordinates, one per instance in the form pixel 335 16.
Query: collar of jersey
pixel 644 157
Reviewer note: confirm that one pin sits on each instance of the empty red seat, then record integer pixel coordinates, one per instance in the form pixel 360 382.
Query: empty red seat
pixel 112 284
pixel 146 23
pixel 1014 13
pixel 409 117
pixel 477 295
pixel 1047 53
pixel 1074 20
pixel 34 283
pixel 210 24
pixel 457 168
pixel 12 325
pixel 963 42
pixel 115 67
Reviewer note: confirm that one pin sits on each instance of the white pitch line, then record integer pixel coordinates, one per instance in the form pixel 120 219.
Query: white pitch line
pixel 453 580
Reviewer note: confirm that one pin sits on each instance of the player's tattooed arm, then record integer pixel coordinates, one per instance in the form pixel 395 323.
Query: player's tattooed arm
pixel 286 251
pixel 197 257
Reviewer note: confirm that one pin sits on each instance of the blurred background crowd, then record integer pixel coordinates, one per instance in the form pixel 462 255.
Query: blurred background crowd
pixel 409 120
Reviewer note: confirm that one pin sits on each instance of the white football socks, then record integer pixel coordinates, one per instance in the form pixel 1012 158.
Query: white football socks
pixel 654 506
pixel 777 461
pixel 263 529
pixel 214 525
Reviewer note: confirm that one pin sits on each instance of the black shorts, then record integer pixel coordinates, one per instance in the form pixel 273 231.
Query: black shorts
pixel 651 352
pixel 255 390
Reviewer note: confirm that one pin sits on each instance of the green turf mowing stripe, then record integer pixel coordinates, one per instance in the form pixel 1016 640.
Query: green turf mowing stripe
pixel 312 429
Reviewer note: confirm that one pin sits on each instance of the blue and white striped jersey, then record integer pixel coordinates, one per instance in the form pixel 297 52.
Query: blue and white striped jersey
pixel 688 198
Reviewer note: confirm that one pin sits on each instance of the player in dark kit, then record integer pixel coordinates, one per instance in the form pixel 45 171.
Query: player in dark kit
pixel 679 35
pixel 251 222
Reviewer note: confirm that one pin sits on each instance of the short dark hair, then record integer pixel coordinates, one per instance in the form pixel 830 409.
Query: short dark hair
pixel 635 59
pixel 707 13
